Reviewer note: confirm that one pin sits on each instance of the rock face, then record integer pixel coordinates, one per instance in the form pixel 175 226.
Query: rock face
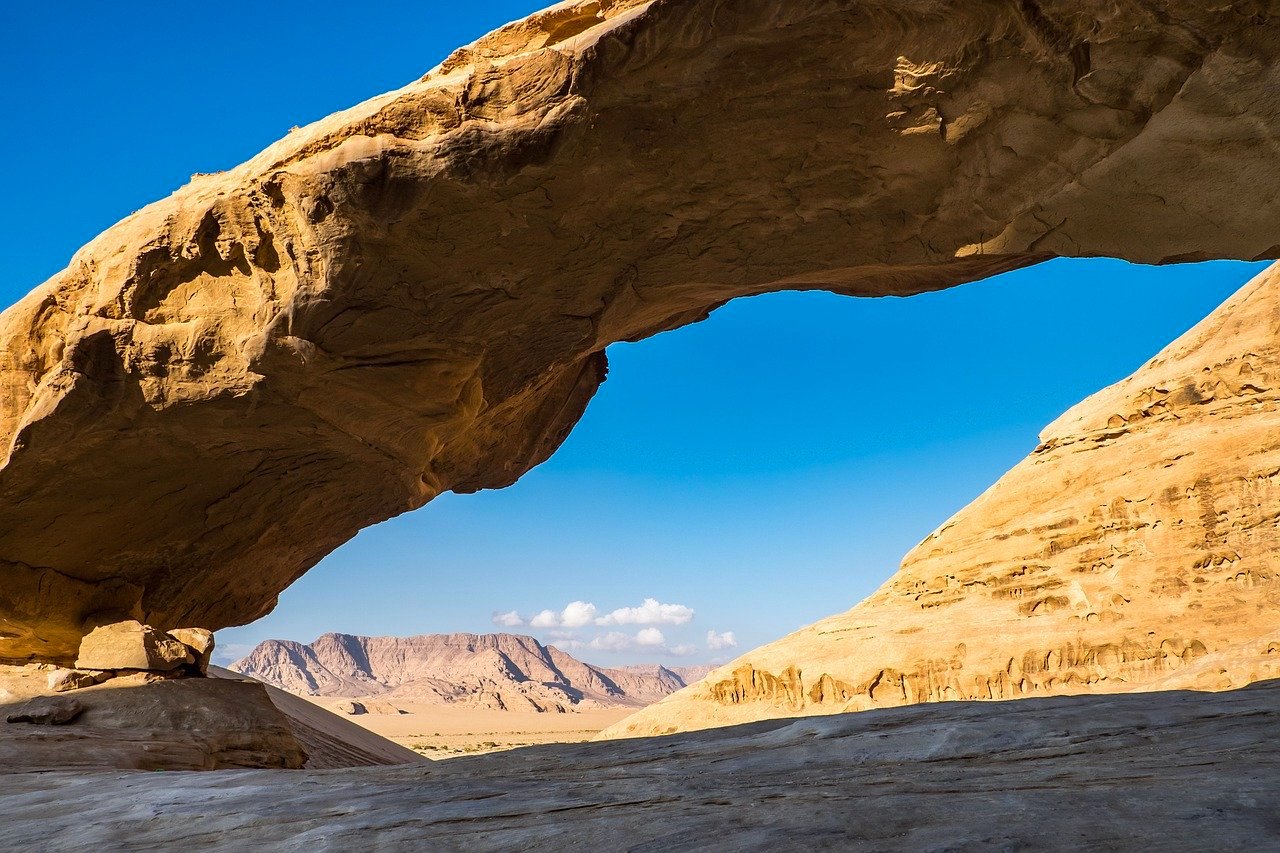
pixel 145 721
pixel 198 641
pixel 1179 771
pixel 414 295
pixel 62 680
pixel 1138 547
pixel 497 671
pixel 328 740
pixel 132 645
pixel 46 711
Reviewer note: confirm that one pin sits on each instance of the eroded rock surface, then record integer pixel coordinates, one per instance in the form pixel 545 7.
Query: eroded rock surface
pixel 46 711
pixel 145 721
pixel 328 740
pixel 132 645
pixel 1138 547
pixel 1167 771
pixel 414 295
pixel 61 680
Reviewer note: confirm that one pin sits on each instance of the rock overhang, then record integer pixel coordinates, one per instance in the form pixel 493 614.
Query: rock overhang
pixel 414 295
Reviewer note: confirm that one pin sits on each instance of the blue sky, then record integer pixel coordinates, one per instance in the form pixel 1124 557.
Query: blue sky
pixel 748 474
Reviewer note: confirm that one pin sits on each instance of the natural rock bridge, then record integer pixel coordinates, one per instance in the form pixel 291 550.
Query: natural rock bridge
pixel 414 295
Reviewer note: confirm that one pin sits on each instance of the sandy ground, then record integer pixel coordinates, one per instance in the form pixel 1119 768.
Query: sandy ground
pixel 438 731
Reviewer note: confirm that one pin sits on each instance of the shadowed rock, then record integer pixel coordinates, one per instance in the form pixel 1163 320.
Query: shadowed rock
pixel 47 711
pixel 142 721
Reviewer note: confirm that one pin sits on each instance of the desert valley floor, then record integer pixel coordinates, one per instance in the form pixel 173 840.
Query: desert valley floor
pixel 442 732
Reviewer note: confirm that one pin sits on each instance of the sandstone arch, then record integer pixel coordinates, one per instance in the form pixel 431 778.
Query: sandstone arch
pixel 414 295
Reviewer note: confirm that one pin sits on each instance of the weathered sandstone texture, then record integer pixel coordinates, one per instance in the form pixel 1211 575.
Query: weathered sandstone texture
pixel 199 641
pixel 132 645
pixel 46 711
pixel 146 721
pixel 61 680
pixel 328 740
pixel 1137 547
pixel 1155 771
pixel 503 672
pixel 414 295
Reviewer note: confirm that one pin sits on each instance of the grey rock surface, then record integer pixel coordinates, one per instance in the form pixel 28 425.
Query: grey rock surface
pixel 1157 771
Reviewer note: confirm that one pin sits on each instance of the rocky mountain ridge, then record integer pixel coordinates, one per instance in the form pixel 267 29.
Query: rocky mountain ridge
pixel 498 671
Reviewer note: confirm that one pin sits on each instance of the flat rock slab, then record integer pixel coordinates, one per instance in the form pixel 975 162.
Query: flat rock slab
pixel 141 723
pixel 46 711
pixel 1175 770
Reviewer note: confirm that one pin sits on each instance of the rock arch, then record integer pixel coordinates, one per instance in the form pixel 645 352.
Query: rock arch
pixel 414 295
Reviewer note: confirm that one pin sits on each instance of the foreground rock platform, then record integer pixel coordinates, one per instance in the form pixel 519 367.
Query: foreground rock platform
pixel 141 721
pixel 1174 770
pixel 414 295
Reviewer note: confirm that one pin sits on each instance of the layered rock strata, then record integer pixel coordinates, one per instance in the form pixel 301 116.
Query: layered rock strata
pixel 414 295
pixel 1137 547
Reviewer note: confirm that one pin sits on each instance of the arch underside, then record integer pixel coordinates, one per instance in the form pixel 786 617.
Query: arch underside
pixel 414 295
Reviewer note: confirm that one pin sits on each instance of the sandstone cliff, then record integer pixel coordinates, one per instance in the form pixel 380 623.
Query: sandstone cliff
pixel 498 671
pixel 1138 547
pixel 414 295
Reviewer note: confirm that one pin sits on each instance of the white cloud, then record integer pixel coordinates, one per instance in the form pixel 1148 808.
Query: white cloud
pixel 650 637
pixel 545 619
pixel 563 627
pixel 715 641
pixel 645 640
pixel 650 612
pixel 577 614
pixel 614 641
pixel 510 619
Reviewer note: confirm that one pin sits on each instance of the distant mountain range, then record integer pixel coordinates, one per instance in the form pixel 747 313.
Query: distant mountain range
pixel 497 671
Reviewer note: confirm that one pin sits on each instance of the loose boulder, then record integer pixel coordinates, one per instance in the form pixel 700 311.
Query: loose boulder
pixel 199 641
pixel 62 680
pixel 47 711
pixel 132 645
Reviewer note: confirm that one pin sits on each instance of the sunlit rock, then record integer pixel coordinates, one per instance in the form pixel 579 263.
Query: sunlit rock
pixel 131 645
pixel 1136 548
pixel 414 295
